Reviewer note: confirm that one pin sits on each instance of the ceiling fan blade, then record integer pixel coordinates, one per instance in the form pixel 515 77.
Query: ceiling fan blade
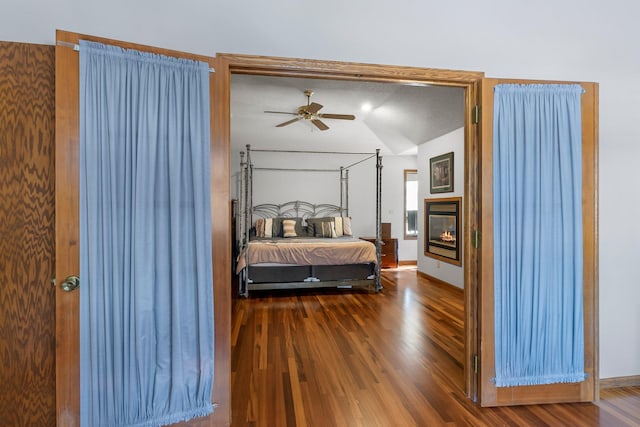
pixel 289 122
pixel 337 116
pixel 319 124
pixel 281 112
pixel 313 108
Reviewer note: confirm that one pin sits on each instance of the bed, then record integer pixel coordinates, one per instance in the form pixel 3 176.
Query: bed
pixel 305 252
pixel 300 244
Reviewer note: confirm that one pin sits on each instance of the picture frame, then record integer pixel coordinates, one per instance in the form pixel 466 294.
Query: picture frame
pixel 442 229
pixel 441 173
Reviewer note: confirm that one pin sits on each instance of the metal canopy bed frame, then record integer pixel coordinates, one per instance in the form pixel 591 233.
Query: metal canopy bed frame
pixel 263 277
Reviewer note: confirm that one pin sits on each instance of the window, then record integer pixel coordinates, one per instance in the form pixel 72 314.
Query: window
pixel 410 204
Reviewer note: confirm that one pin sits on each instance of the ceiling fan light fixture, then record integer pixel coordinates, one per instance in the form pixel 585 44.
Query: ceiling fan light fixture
pixel 310 112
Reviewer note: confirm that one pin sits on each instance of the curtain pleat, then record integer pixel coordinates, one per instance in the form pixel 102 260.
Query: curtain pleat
pixel 538 260
pixel 146 301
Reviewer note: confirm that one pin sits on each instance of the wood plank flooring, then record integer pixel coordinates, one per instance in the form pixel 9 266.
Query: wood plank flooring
pixel 334 358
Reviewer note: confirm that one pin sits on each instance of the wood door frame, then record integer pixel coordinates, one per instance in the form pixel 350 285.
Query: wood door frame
pixel 468 80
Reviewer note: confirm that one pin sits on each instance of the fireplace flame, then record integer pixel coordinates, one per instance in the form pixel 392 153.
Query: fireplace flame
pixel 446 236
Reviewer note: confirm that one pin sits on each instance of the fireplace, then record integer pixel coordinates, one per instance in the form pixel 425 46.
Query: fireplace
pixel 442 229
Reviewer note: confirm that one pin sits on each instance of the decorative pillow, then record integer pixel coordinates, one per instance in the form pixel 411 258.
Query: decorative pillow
pixel 289 228
pixel 277 226
pixel 260 227
pixel 346 226
pixel 339 229
pixel 313 225
pixel 325 229
pixel 268 227
pixel 343 226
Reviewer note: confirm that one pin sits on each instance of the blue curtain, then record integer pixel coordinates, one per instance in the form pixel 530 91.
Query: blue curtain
pixel 146 300
pixel 537 220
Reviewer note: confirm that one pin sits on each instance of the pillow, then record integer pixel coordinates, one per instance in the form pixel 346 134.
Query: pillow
pixel 313 225
pixel 260 227
pixel 277 226
pixel 342 225
pixel 338 223
pixel 289 228
pixel 272 227
pixel 268 227
pixel 346 226
pixel 325 229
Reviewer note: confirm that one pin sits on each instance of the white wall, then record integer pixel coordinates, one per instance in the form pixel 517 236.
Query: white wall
pixel 453 141
pixel 393 202
pixel 589 40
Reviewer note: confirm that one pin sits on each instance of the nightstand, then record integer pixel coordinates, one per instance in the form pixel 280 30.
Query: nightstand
pixel 388 251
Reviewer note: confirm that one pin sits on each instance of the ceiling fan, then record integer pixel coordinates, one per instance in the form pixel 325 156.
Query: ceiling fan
pixel 311 112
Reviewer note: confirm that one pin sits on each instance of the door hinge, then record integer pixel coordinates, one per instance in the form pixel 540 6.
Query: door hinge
pixel 475 115
pixel 476 239
pixel 475 363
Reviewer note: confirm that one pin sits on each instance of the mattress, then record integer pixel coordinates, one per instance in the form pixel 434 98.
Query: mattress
pixel 308 251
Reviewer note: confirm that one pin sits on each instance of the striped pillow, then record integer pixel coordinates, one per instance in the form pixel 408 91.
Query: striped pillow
pixel 268 227
pixel 339 229
pixel 289 228
pixel 343 226
pixel 326 229
pixel 260 227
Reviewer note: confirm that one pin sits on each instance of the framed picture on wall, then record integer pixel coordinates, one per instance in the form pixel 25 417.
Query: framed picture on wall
pixel 441 173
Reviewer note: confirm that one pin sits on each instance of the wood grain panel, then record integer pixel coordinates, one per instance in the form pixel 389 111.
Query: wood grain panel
pixel 67 234
pixel 331 358
pixel 221 238
pixel 27 338
pixel 471 254
pixel 336 70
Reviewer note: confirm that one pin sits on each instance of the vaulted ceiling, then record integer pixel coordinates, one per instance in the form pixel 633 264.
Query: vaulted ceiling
pixel 400 117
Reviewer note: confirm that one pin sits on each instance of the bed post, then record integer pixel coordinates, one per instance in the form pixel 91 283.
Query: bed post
pixel 247 220
pixel 378 217
pixel 344 191
pixel 241 219
pixel 341 190
pixel 241 204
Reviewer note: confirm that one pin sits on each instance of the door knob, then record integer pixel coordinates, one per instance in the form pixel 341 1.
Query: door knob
pixel 70 283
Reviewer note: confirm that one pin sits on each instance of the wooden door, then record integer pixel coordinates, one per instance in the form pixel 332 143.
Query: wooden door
pixel 490 395
pixel 27 338
pixel 68 235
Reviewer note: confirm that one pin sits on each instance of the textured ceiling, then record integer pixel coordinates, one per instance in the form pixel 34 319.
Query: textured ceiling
pixel 401 116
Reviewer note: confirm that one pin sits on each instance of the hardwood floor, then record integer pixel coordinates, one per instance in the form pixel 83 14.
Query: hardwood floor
pixel 330 358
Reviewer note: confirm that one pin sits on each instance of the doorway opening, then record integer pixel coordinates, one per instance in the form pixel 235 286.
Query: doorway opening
pixel 240 65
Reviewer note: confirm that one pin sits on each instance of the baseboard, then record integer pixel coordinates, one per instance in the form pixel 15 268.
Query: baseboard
pixel 617 382
pixel 408 263
pixel 441 283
